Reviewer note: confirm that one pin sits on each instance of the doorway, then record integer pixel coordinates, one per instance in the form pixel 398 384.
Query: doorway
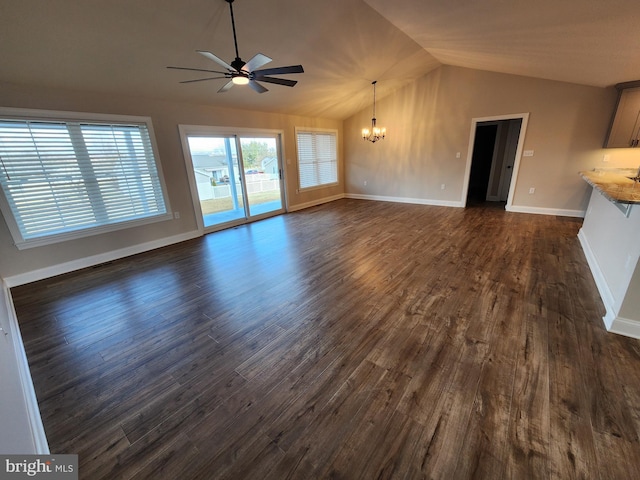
pixel 482 160
pixel 234 178
pixel 495 148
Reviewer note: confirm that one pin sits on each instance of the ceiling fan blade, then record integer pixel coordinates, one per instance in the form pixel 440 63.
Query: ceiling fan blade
pixel 257 87
pixel 197 70
pixel 257 61
pixel 278 81
pixel 226 86
pixel 279 70
pixel 219 61
pixel 202 79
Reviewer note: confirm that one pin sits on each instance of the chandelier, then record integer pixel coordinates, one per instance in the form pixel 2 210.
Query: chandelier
pixel 375 133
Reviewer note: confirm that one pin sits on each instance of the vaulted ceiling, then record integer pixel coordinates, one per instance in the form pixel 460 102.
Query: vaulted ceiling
pixel 123 46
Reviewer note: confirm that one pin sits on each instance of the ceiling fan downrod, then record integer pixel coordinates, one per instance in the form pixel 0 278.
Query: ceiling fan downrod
pixel 237 63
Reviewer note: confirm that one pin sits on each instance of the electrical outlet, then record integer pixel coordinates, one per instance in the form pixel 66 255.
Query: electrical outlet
pixel 365 183
pixel 176 214
pixel 532 191
pixel 527 153
pixel 606 158
pixel 457 154
pixel 442 186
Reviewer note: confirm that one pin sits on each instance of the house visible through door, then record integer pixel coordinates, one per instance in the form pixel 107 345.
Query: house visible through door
pixel 234 179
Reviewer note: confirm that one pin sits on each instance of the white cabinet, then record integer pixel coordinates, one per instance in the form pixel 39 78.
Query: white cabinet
pixel 625 127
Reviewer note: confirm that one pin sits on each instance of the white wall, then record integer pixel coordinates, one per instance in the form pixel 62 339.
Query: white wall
pixel 430 120
pixel 21 430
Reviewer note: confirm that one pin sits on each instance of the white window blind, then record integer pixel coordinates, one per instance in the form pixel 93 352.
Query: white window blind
pixel 317 158
pixel 66 176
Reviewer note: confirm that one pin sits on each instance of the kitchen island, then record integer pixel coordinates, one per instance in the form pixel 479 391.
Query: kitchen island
pixel 610 238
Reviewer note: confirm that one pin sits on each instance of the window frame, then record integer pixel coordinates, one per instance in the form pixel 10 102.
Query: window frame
pixel 314 130
pixel 22 114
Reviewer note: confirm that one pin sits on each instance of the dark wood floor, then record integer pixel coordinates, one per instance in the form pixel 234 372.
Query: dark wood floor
pixel 351 340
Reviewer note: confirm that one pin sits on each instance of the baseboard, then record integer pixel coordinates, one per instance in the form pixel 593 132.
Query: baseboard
pixel 418 201
pixel 601 283
pixel 35 427
pixel 80 263
pixel 302 206
pixel 626 327
pixel 546 211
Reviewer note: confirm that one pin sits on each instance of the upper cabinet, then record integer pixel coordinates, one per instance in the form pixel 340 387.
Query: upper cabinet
pixel 624 131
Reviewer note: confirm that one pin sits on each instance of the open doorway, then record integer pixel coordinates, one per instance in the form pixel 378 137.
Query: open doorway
pixel 495 147
pixel 482 160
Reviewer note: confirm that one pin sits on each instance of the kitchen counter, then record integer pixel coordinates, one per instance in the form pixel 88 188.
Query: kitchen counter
pixel 614 184
pixel 610 243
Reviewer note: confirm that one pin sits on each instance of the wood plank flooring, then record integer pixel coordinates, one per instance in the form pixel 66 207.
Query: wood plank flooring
pixel 354 340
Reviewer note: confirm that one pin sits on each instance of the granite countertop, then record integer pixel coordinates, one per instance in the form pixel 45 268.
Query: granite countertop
pixel 614 184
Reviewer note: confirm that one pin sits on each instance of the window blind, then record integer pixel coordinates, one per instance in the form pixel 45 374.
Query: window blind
pixel 65 176
pixel 317 158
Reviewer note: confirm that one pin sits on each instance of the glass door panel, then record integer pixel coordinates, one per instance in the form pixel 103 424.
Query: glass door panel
pixel 233 178
pixel 217 177
pixel 260 157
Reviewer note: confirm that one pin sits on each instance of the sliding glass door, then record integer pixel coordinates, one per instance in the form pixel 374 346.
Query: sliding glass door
pixel 262 174
pixel 234 178
pixel 217 178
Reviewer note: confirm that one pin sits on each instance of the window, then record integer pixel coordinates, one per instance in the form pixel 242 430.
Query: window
pixel 67 178
pixel 317 157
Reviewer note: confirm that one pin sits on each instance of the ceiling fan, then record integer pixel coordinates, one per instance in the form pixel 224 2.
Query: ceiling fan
pixel 240 72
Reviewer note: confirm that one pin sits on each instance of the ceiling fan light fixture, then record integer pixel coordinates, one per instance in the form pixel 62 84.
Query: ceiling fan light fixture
pixel 240 80
pixel 374 133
